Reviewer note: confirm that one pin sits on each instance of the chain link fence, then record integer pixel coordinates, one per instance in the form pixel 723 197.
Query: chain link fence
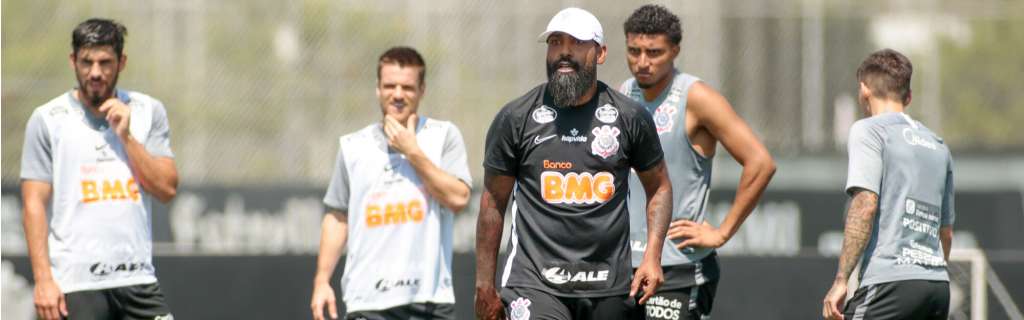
pixel 258 91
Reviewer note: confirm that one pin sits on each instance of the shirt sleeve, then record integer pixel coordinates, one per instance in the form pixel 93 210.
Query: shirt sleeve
pixel 865 158
pixel 36 153
pixel 645 146
pixel 948 212
pixel 500 152
pixel 624 87
pixel 337 190
pixel 158 143
pixel 453 158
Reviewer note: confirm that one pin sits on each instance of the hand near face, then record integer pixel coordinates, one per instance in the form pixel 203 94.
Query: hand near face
pixel 118 115
pixel 402 138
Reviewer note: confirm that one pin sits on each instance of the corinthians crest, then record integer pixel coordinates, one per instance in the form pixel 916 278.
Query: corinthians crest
pixel 520 309
pixel 606 141
pixel 664 117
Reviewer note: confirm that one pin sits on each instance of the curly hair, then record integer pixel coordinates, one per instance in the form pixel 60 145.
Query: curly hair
pixel 654 19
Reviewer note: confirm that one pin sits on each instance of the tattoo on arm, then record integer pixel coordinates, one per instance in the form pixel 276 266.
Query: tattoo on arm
pixel 497 189
pixel 860 220
pixel 659 205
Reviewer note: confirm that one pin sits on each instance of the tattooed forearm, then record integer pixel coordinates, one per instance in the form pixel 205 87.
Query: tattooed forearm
pixel 497 189
pixel 659 214
pixel 659 206
pixel 859 223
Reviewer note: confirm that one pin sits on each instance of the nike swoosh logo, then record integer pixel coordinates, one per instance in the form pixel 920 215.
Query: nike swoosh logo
pixel 539 140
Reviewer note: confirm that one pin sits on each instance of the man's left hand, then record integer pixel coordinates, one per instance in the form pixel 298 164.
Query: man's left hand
pixel 699 235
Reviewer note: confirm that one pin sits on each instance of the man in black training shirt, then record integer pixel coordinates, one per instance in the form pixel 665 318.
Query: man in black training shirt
pixel 563 152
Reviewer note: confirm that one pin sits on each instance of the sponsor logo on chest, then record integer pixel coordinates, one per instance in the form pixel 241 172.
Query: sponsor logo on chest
pixel 544 114
pixel 606 113
pixel 109 190
pixel 575 188
pixel 574 137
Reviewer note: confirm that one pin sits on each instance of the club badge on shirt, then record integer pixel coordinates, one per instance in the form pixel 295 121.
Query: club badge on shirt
pixel 664 118
pixel 606 141
pixel 520 309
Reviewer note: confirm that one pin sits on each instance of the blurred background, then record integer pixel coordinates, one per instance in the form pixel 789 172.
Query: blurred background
pixel 259 91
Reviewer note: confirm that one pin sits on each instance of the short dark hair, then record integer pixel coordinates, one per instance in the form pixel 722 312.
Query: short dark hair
pixel 404 57
pixel 99 32
pixel 887 73
pixel 655 19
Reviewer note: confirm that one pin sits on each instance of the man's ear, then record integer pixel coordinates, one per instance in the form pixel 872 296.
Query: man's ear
pixel 602 53
pixel 123 62
pixel 906 102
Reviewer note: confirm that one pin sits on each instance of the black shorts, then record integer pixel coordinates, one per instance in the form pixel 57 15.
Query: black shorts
pixel 412 311
pixel 144 301
pixel 909 299
pixel 526 303
pixel 679 304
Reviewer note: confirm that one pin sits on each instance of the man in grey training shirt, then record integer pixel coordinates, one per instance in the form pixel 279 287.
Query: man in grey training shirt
pixel 901 214
pixel 95 157
pixel 690 118
pixel 396 187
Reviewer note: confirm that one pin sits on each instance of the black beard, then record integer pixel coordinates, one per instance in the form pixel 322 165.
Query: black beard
pixel 566 89
pixel 97 99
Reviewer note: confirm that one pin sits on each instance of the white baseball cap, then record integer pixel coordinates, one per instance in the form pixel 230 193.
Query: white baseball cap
pixel 578 23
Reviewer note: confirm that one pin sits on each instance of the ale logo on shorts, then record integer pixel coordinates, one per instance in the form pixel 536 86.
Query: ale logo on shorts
pixel 606 141
pixel 607 114
pixel 544 114
pixel 576 188
pixel 664 118
pixel 520 309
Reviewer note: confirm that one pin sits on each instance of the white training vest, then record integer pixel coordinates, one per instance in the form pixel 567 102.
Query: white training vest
pixel 400 239
pixel 100 229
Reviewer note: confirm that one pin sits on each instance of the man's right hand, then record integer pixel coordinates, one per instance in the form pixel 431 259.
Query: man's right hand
pixel 488 304
pixel 323 295
pixel 50 301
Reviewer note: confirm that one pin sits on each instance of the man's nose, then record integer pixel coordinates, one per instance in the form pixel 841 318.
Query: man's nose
pixel 644 61
pixel 95 71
